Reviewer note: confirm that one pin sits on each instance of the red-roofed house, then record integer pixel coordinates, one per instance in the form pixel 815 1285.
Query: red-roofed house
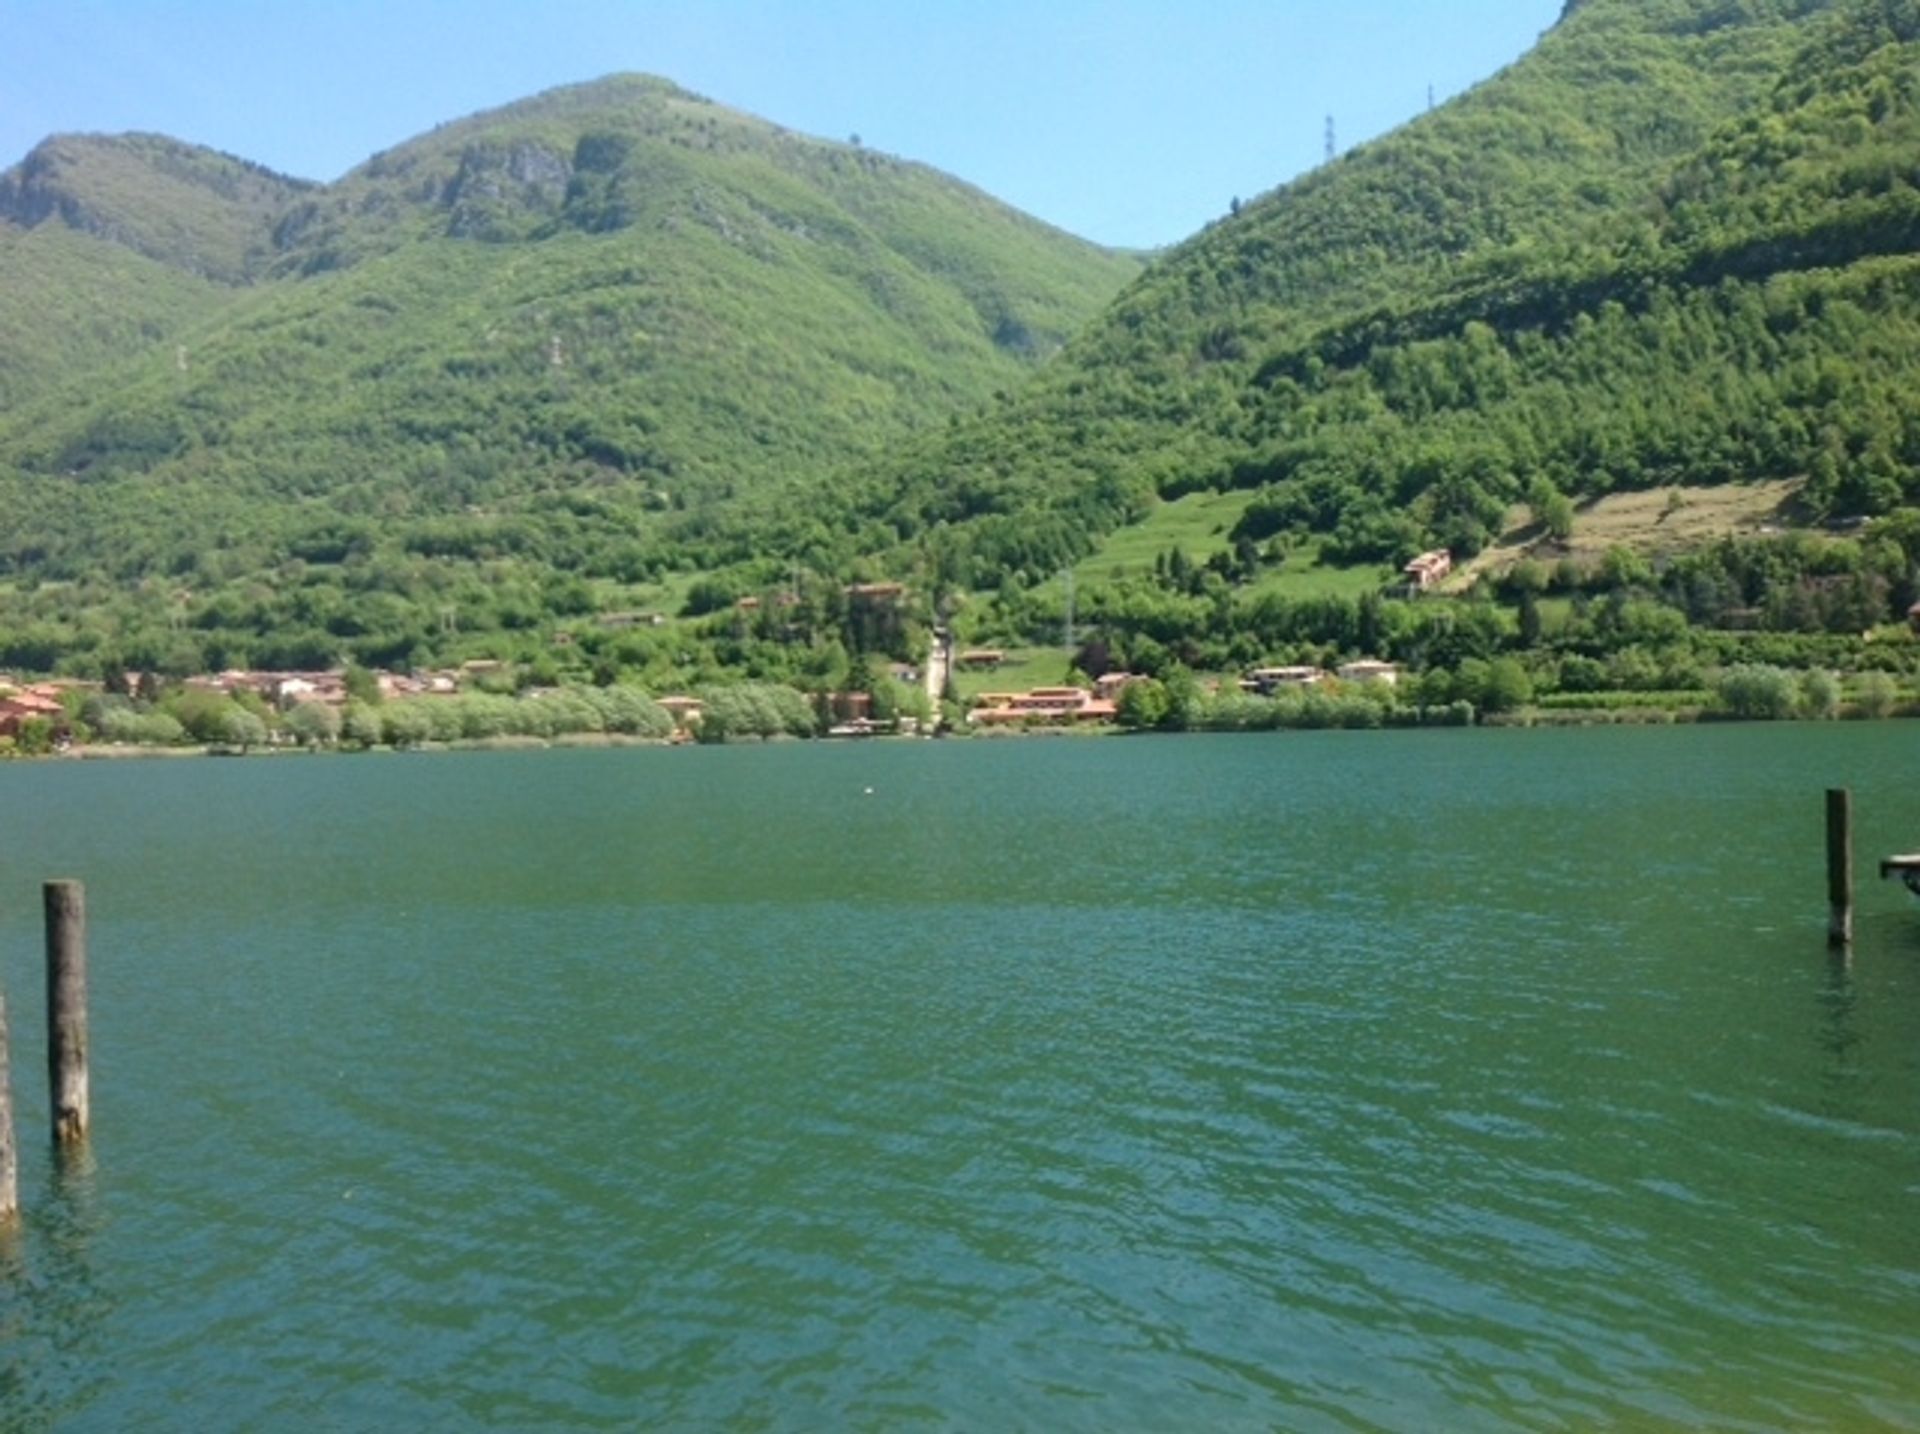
pixel 21 707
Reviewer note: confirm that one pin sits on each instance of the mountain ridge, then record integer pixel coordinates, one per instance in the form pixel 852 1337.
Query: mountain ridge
pixel 1175 387
pixel 114 244
pixel 566 357
pixel 564 328
pixel 139 190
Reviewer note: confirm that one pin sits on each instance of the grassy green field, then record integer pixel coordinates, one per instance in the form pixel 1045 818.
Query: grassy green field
pixel 1304 576
pixel 1555 613
pixel 1199 525
pixel 1024 669
pixel 667 597
pixel 1196 524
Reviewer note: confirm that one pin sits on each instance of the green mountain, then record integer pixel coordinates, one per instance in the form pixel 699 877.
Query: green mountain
pixel 112 245
pixel 1675 244
pixel 565 330
pixel 618 348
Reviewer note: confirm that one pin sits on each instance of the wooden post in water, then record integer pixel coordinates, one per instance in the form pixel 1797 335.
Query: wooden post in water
pixel 66 903
pixel 1839 867
pixel 9 1152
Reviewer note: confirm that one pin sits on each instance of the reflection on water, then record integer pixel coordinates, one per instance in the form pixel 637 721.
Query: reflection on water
pixel 52 1309
pixel 1841 1035
pixel 1839 1000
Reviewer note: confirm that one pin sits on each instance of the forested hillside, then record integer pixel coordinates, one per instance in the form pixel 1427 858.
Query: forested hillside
pixel 1675 248
pixel 553 334
pixel 1674 245
pixel 617 349
pixel 110 246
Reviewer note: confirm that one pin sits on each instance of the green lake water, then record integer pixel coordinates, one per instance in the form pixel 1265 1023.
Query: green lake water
pixel 1402 1081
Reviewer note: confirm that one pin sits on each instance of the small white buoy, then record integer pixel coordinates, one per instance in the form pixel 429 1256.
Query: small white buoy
pixel 869 791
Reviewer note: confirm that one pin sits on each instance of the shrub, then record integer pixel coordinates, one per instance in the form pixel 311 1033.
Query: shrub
pixel 1820 694
pixel 360 725
pixel 1875 694
pixel 314 724
pixel 1756 692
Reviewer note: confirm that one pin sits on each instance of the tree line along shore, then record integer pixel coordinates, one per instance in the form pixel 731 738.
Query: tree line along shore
pixel 79 718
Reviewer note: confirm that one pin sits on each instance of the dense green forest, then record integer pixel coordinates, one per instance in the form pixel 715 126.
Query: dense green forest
pixel 1674 245
pixel 530 351
pixel 617 348
pixel 1678 245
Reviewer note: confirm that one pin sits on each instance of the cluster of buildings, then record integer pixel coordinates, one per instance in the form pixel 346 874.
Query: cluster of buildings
pixel 1069 705
pixel 845 714
pixel 286 690
pixel 1053 704
pixel 21 702
pixel 283 690
pixel 850 714
pixel 280 689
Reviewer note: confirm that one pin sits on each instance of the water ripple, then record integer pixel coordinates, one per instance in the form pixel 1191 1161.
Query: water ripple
pixel 684 1091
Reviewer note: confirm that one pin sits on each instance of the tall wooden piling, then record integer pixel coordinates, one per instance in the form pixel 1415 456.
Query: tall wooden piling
pixel 1839 867
pixel 9 1152
pixel 66 903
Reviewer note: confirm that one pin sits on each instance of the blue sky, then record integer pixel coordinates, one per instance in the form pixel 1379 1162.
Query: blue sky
pixel 1127 121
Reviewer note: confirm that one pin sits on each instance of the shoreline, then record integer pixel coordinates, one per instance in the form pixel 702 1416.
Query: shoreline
pixel 103 752
pixel 1530 720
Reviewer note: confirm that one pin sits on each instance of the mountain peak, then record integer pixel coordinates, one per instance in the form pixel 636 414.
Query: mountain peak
pixel 189 207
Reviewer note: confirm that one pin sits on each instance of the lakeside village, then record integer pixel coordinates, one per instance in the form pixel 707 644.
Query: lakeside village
pixel 240 710
pixel 491 701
